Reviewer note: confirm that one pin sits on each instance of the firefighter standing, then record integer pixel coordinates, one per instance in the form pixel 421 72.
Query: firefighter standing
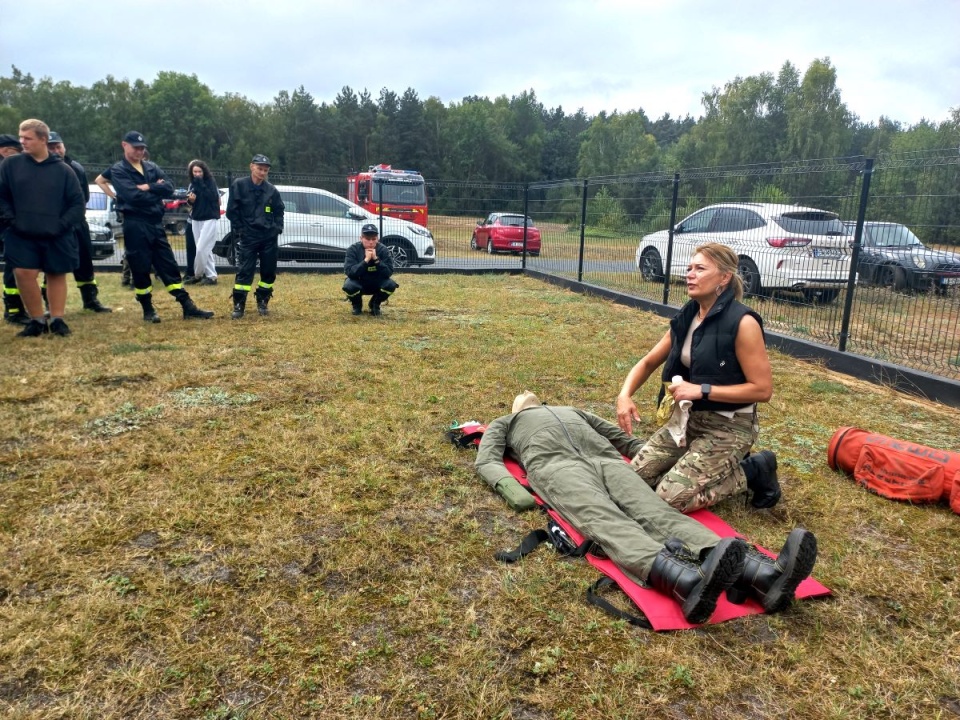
pixel 255 212
pixel 13 310
pixel 140 187
pixel 83 275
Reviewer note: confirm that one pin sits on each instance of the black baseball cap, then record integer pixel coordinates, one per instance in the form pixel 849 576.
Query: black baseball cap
pixel 135 138
pixel 369 229
pixel 259 159
pixel 54 138
pixel 10 141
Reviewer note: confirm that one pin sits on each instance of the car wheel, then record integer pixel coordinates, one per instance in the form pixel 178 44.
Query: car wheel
pixel 900 282
pixel 885 276
pixel 750 275
pixel 402 252
pixel 490 247
pixel 651 267
pixel 473 242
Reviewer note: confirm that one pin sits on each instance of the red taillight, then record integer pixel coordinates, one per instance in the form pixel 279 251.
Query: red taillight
pixel 782 242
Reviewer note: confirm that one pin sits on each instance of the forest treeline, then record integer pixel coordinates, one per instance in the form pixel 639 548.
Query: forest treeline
pixel 764 118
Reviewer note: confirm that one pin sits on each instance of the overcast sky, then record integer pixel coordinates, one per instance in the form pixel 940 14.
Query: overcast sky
pixel 898 59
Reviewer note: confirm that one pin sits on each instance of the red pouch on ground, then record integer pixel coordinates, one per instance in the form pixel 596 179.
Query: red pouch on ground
pixel 895 469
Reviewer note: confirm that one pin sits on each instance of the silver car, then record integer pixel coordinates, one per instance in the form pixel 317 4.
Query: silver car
pixel 781 247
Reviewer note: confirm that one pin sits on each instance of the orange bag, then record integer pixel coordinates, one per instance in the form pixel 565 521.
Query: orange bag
pixel 896 469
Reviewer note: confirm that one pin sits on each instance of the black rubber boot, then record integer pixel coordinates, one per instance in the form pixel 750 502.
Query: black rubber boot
pixel 761 471
pixel 697 585
pixel 239 304
pixel 149 314
pixel 89 294
pixel 13 310
pixel 263 299
pixel 773 581
pixel 356 305
pixel 34 328
pixel 376 301
pixel 191 311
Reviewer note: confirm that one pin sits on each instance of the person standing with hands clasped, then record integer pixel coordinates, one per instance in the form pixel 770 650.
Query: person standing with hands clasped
pixel 368 267
pixel 204 197
pixel 41 202
pixel 255 211
pixel 716 346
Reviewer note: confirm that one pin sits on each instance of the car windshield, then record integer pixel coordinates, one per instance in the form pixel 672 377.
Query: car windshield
pixel 811 222
pixel 401 193
pixel 515 221
pixel 97 201
pixel 891 236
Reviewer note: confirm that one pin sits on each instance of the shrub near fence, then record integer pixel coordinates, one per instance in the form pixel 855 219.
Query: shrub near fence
pixel 592 231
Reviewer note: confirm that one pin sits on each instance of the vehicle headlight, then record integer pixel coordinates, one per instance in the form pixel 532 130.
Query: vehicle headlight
pixel 920 261
pixel 420 230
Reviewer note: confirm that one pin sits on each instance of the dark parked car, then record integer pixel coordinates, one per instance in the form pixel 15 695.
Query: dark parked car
pixel 892 256
pixel 103 242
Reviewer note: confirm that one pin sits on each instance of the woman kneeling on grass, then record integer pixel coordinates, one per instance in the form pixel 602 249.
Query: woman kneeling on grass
pixel 715 344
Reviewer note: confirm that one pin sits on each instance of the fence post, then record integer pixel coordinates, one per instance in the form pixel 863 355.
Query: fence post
pixel 673 221
pixel 855 255
pixel 526 208
pixel 379 183
pixel 583 228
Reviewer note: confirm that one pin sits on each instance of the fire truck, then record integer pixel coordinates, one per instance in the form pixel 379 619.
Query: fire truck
pixel 401 193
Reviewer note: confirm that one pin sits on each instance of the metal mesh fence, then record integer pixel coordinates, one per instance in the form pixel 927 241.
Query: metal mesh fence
pixel 831 251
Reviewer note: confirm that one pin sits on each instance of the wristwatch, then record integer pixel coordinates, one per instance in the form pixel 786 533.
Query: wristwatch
pixel 705 390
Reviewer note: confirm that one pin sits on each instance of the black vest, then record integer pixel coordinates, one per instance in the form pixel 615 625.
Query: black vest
pixel 713 352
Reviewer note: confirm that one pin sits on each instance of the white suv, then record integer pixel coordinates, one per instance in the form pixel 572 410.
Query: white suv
pixel 319 226
pixel 781 247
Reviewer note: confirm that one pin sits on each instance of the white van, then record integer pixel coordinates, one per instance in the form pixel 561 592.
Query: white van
pixel 102 210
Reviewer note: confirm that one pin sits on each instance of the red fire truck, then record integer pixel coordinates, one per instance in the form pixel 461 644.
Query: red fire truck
pixel 402 193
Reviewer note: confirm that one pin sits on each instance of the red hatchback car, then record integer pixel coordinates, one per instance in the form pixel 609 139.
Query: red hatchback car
pixel 503 232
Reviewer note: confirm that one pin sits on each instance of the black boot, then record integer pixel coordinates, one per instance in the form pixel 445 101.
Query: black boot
pixel 376 301
pixel 239 304
pixel 262 300
pixel 191 311
pixel 773 581
pixel 697 585
pixel 356 303
pixel 89 293
pixel 13 310
pixel 146 302
pixel 761 471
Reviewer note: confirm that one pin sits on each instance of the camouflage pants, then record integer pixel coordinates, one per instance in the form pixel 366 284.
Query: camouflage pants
pixel 708 469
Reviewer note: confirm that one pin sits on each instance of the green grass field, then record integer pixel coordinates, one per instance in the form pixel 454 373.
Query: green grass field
pixel 262 519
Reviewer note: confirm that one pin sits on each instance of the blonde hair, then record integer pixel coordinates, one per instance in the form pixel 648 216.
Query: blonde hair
pixel 39 127
pixel 727 261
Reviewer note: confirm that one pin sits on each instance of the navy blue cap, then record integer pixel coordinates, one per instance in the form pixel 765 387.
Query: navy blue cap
pixel 10 141
pixel 135 138
pixel 259 159
pixel 54 138
pixel 369 229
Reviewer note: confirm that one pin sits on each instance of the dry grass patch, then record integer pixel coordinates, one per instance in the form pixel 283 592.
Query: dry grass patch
pixel 261 519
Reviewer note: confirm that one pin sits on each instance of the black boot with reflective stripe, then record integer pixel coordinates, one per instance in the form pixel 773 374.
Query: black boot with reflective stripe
pixel 13 310
pixel 263 299
pixel 146 302
pixel 239 304
pixel 191 311
pixel 697 585
pixel 89 293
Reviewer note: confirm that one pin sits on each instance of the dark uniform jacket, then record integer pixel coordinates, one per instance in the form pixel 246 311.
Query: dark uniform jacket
pixel 255 211
pixel 713 351
pixel 136 203
pixel 39 200
pixel 368 275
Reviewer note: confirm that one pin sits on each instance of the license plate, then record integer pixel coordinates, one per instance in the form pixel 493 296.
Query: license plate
pixel 827 252
pixel 516 244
